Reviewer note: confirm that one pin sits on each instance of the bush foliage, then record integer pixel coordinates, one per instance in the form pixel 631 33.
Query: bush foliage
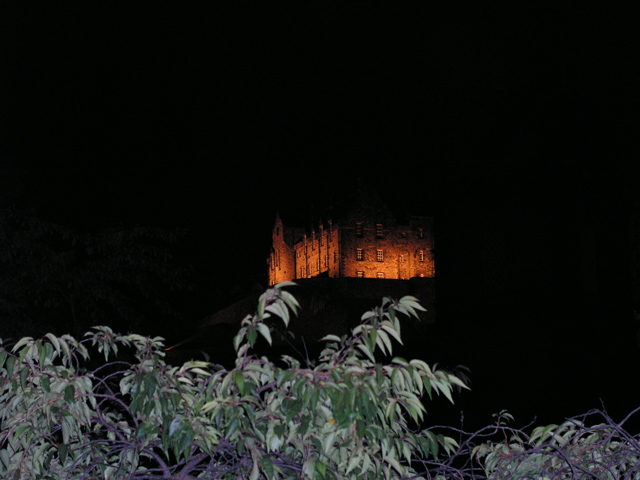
pixel 346 416
pixel 572 450
pixel 109 407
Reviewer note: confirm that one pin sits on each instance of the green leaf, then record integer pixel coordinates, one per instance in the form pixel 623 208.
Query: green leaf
pixel 69 393
pixel 390 410
pixel 238 379
pixel 366 351
pixel 280 311
pixel 383 339
pixel 42 352
pixel 290 301
pixel 45 382
pixel 321 469
pixel 252 335
pixel 4 456
pixel 294 408
pixel 23 378
pixel 267 466
pixel 62 452
pixel 412 302
pixel 261 305
pixel 264 331
pixel 400 361
pixel 395 464
pixel 23 341
pixel 54 340
pixel 330 338
pixel 149 386
pixel 237 340
pixel 10 362
pixel 387 327
pixel 429 444
pixel 373 339
pixel 65 348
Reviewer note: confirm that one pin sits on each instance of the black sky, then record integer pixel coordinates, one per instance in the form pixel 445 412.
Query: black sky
pixel 212 116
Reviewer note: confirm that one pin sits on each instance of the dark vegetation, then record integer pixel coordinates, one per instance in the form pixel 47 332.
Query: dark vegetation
pixel 354 411
pixel 57 279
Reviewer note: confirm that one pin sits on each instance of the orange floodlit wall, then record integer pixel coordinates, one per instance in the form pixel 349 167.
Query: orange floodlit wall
pixel 356 246
pixel 394 252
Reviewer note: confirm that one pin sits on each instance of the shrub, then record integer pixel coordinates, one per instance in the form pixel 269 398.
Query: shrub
pixel 345 416
pixel 572 450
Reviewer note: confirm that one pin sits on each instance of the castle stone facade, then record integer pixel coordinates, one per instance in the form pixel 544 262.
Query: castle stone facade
pixel 359 237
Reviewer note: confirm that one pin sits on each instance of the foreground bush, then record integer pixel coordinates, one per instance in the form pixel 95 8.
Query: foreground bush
pixel 572 450
pixel 588 447
pixel 344 416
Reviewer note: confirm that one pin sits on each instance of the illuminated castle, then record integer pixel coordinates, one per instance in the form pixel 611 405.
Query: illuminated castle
pixel 359 237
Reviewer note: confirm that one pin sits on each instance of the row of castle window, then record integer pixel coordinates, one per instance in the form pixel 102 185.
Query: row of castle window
pixel 360 230
pixel 275 261
pixel 380 255
pixel 360 255
pixel 359 233
pixel 380 232
pixel 360 274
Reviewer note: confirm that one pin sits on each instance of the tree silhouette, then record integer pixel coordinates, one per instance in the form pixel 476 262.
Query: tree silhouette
pixel 53 278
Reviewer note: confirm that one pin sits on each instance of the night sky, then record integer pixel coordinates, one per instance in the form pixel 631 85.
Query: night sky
pixel 514 125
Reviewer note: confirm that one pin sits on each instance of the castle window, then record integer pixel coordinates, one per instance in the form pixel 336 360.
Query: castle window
pixel 318 265
pixel 359 229
pixel 401 258
pixel 379 256
pixel 360 274
pixel 335 257
pixel 421 232
pixel 326 260
pixel 359 254
pixel 379 230
pixel 421 255
pixel 302 272
pixel 380 275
